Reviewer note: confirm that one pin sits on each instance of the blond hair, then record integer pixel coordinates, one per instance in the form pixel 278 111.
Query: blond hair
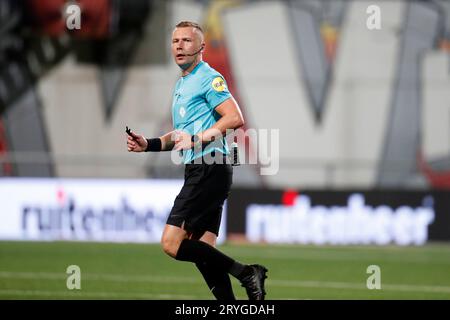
pixel 184 24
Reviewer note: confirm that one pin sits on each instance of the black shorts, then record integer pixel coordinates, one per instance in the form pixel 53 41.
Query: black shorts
pixel 198 206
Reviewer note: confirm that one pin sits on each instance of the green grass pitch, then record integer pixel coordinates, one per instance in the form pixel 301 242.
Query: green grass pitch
pixel 37 270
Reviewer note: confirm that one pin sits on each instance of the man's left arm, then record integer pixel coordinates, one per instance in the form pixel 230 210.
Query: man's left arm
pixel 231 118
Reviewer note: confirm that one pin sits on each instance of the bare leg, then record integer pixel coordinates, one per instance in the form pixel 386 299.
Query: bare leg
pixel 171 239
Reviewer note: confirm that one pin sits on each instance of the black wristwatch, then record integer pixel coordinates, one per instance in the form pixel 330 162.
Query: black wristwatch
pixel 195 139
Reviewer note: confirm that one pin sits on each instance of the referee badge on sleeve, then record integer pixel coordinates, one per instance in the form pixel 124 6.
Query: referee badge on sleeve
pixel 218 84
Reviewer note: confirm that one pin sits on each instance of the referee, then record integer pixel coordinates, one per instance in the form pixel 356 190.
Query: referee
pixel 202 111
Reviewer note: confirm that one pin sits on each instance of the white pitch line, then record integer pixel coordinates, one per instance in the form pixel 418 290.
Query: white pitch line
pixel 84 294
pixel 270 282
pixel 330 256
pixel 96 277
pixel 357 286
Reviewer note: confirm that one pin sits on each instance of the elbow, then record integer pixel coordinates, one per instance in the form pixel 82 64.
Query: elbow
pixel 239 122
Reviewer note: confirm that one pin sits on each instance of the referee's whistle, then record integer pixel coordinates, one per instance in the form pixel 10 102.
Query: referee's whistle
pixel 128 131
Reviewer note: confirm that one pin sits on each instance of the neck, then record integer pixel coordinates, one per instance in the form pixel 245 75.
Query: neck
pixel 192 67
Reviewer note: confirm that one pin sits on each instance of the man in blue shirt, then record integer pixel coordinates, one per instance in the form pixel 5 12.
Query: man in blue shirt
pixel 196 96
pixel 202 111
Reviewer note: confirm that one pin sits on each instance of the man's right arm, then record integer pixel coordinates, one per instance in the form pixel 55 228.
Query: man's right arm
pixel 138 143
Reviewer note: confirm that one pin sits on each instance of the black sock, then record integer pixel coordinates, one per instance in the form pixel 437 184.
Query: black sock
pixel 200 252
pixel 218 282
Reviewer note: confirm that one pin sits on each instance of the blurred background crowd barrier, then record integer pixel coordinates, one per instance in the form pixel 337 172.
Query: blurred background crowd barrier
pixel 363 115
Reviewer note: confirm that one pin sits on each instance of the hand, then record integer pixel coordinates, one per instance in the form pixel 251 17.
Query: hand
pixel 182 141
pixel 136 143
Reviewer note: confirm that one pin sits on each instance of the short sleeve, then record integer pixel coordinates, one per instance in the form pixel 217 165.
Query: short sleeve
pixel 216 91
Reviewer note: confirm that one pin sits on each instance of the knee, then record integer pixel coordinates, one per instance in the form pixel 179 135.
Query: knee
pixel 170 246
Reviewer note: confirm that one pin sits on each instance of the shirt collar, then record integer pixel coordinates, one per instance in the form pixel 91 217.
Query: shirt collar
pixel 194 70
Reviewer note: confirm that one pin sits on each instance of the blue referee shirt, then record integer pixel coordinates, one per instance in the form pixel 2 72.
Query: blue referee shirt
pixel 195 98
